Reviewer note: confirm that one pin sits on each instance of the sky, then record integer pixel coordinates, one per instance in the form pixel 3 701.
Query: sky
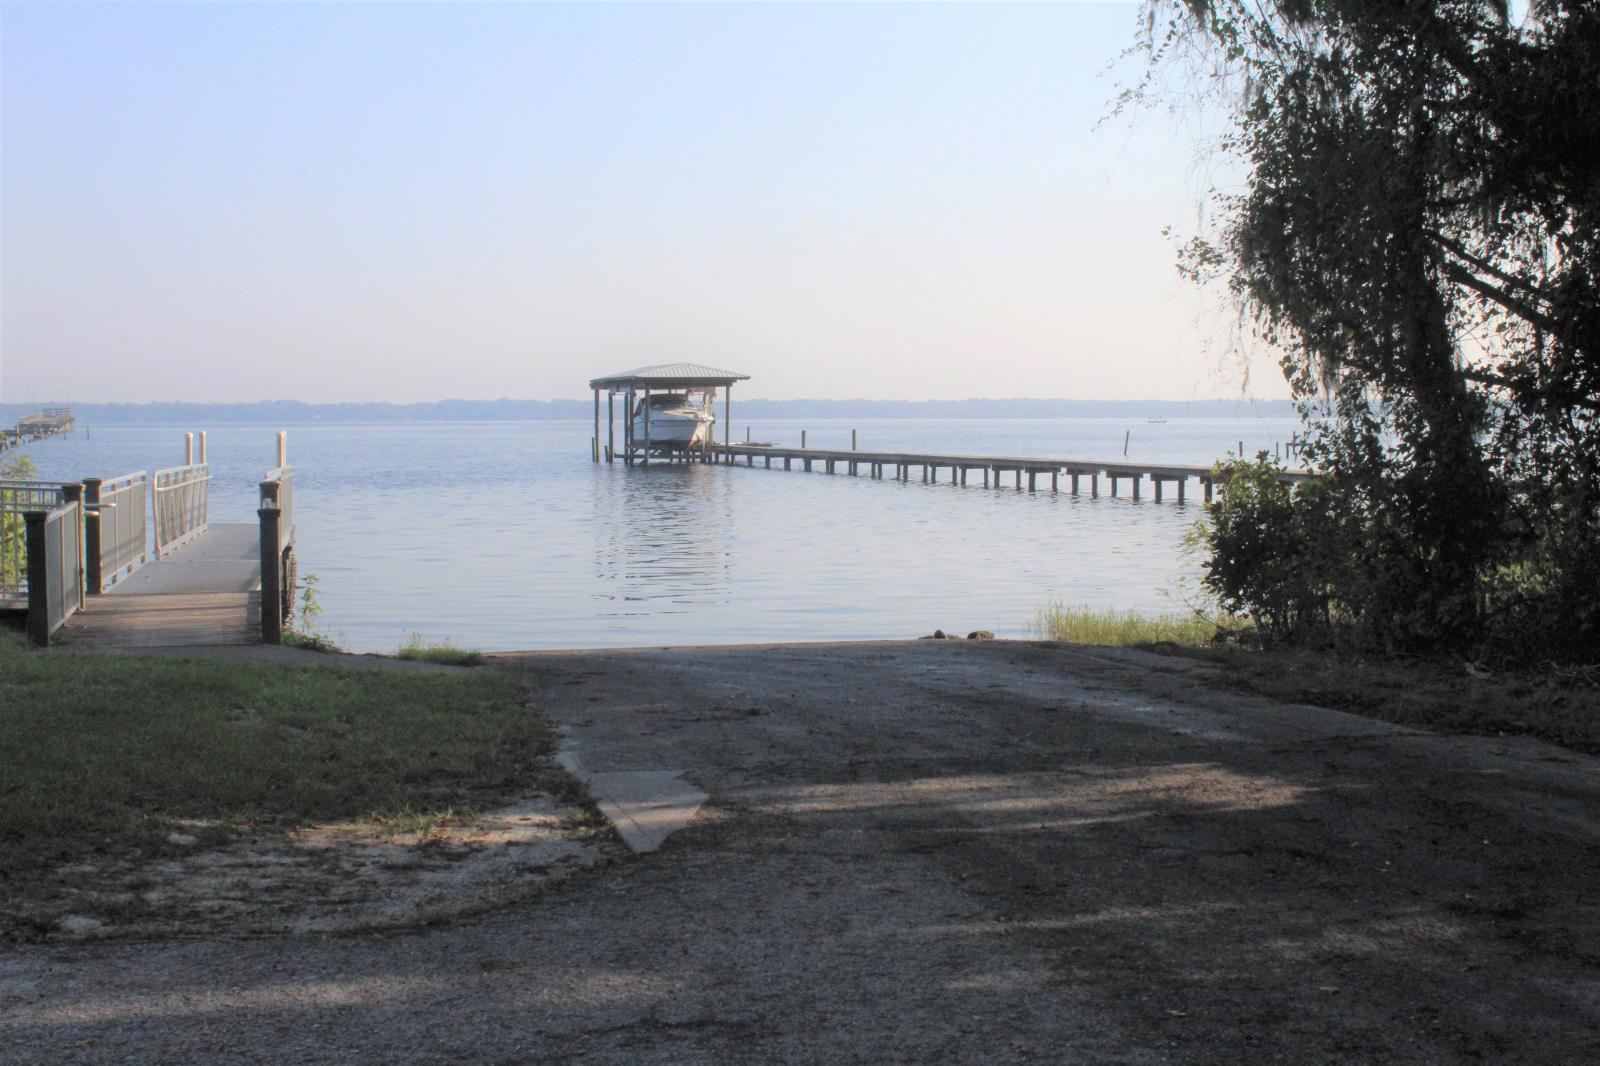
pixel 231 202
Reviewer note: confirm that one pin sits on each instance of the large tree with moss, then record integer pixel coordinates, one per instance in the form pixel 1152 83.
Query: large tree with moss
pixel 1419 236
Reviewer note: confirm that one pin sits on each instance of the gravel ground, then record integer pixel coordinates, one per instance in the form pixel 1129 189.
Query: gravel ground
pixel 941 852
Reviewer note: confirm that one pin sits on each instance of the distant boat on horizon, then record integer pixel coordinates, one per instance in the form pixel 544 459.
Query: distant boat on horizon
pixel 1155 421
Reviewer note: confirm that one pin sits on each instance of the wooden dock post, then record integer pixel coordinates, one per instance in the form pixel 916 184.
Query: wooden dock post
pixel 1055 484
pixel 1074 476
pixel 1114 480
pixel 1136 479
pixel 1158 488
pixel 1094 486
pixel 611 426
pixel 38 577
pixel 647 427
pixel 202 447
pixel 271 574
pixel 803 441
pixel 852 440
pixel 188 449
pixel 596 438
pixel 93 578
pixel 986 476
pixel 283 448
pixel 1207 483
pixel 1181 482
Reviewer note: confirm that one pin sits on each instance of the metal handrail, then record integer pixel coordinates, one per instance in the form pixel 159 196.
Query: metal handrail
pixel 17 497
pixel 55 565
pixel 116 536
pixel 180 500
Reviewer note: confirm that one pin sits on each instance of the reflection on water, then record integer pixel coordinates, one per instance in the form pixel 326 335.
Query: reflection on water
pixel 504 535
pixel 661 539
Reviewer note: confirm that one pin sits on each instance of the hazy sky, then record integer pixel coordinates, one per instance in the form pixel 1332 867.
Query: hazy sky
pixel 409 202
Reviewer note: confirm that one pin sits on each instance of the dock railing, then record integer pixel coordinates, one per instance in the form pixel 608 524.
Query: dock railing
pixel 181 499
pixel 276 513
pixel 115 533
pixel 55 565
pixel 17 498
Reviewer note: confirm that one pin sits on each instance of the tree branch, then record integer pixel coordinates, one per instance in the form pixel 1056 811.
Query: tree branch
pixel 1479 263
pixel 1456 272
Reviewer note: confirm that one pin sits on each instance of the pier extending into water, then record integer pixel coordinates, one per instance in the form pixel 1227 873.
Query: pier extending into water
pixel 994 470
pixel 134 560
pixel 638 447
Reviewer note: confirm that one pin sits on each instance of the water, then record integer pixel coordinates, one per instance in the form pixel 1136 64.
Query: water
pixel 503 535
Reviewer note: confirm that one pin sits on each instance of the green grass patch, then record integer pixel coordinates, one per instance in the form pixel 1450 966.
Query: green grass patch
pixel 1562 707
pixel 1081 625
pixel 294 638
pixel 1558 705
pixel 414 650
pixel 101 753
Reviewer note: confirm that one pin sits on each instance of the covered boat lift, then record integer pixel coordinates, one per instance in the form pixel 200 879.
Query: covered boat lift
pixel 668 377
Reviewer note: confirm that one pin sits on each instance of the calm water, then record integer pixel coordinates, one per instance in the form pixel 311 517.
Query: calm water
pixel 504 535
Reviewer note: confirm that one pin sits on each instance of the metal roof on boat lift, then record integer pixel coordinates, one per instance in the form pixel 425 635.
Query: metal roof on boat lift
pixel 669 375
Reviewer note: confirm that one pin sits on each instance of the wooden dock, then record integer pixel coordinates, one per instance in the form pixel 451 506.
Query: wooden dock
pixel 994 469
pixel 206 592
pixel 83 574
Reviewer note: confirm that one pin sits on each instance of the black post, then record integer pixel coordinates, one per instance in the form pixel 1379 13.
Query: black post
pixel 271 578
pixel 93 577
pixel 38 579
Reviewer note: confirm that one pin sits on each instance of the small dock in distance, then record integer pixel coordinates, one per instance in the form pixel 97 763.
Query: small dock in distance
pixel 993 468
pixel 638 447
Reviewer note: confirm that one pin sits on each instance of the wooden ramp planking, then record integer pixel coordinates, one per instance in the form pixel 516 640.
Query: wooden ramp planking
pixel 207 592
pixel 165 621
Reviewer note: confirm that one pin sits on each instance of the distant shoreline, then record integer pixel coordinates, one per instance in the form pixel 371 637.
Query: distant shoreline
pixel 288 412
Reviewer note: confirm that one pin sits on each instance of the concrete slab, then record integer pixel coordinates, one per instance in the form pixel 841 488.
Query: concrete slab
pixel 645 806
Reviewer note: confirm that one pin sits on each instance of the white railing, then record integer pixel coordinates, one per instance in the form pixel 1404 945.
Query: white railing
pixel 115 528
pixel 16 499
pixel 181 497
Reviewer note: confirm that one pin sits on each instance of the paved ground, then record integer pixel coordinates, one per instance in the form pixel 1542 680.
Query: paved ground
pixel 944 852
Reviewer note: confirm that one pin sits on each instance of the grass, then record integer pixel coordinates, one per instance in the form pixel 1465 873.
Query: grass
pixel 450 655
pixel 1081 625
pixel 1433 694
pixel 318 642
pixel 109 754
pixel 1561 707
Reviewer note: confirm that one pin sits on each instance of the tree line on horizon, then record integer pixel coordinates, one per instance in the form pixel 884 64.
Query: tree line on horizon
pixel 289 412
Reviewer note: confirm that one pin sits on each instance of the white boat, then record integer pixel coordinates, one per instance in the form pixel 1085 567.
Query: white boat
pixel 677 420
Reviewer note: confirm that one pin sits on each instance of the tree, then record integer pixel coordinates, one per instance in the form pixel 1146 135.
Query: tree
pixel 1419 235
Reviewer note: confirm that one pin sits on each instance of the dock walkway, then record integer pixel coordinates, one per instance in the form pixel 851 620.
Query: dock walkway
pixel 134 561
pixel 992 467
pixel 206 592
